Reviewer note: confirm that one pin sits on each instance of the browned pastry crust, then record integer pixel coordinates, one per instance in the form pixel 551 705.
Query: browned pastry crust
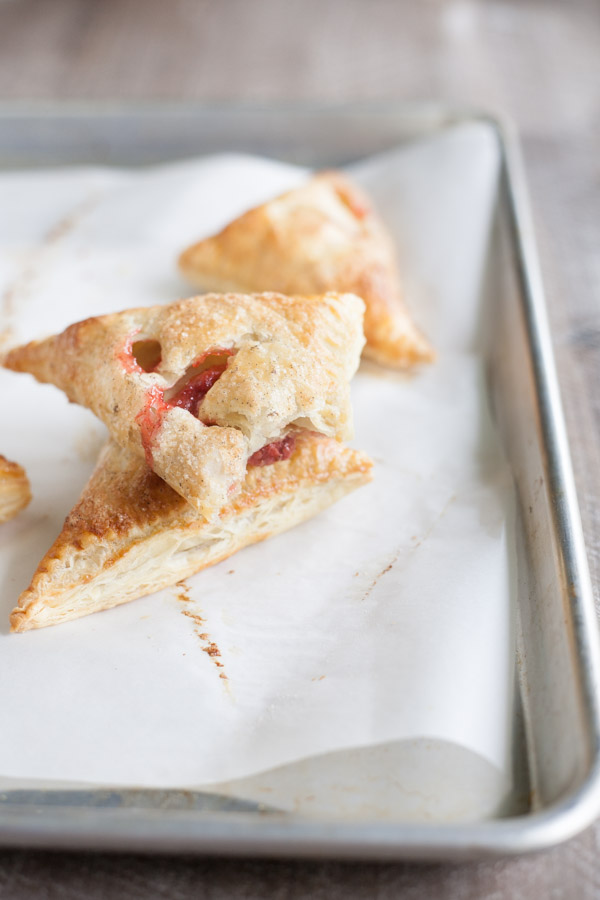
pixel 322 236
pixel 287 364
pixel 130 534
pixel 15 491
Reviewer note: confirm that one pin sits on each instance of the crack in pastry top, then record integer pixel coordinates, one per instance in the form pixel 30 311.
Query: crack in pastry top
pixel 188 393
pixel 269 358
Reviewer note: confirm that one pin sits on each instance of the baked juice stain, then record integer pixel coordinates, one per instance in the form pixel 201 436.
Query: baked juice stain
pixel 183 592
pixel 208 646
pixel 196 619
pixel 416 543
pixel 383 572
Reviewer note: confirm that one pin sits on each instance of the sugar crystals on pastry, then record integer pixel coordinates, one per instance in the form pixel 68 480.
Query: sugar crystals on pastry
pixel 130 534
pixel 199 387
pixel 15 492
pixel 322 236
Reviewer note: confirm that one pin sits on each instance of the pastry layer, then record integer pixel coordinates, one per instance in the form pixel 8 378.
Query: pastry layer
pixel 130 534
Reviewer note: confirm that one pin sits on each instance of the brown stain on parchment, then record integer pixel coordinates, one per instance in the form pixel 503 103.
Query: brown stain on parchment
pixel 417 543
pixel 383 572
pixel 208 646
pixel 183 592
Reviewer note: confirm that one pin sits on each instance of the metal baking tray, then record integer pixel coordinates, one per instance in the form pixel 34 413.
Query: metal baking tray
pixel 557 744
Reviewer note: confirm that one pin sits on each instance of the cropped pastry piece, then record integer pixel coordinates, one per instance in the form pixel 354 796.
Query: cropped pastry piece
pixel 130 534
pixel 15 492
pixel 322 236
pixel 200 386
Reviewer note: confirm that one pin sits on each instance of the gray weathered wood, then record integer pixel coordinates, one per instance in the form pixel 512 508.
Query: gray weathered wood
pixel 536 61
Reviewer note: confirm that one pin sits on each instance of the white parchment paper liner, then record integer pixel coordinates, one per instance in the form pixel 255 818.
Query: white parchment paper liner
pixel 383 623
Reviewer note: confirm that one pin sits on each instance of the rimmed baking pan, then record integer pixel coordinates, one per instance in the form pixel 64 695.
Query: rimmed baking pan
pixel 557 732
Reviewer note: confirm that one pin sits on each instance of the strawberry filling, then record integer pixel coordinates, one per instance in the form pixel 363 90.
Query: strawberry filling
pixel 150 419
pixel 273 452
pixel 189 397
pixel 194 392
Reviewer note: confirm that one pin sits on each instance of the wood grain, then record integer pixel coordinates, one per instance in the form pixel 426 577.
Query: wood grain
pixel 538 62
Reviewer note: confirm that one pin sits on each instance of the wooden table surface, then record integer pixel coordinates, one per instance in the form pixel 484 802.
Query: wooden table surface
pixel 539 62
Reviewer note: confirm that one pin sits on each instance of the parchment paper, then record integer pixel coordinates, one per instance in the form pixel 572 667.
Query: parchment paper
pixel 384 622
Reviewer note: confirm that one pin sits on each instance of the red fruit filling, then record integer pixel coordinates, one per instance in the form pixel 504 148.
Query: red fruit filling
pixel 189 396
pixel 273 452
pixel 145 356
pixel 194 392
pixel 150 419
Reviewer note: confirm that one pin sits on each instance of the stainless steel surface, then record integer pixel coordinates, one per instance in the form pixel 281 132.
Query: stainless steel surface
pixel 558 656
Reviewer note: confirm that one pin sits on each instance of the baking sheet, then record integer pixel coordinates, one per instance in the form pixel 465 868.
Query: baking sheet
pixel 421 649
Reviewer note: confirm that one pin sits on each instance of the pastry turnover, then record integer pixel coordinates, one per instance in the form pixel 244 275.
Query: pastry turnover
pixel 15 492
pixel 130 534
pixel 203 385
pixel 322 236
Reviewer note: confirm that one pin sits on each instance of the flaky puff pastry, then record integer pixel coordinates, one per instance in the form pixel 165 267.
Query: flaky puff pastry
pixel 201 385
pixel 15 492
pixel 322 236
pixel 130 534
